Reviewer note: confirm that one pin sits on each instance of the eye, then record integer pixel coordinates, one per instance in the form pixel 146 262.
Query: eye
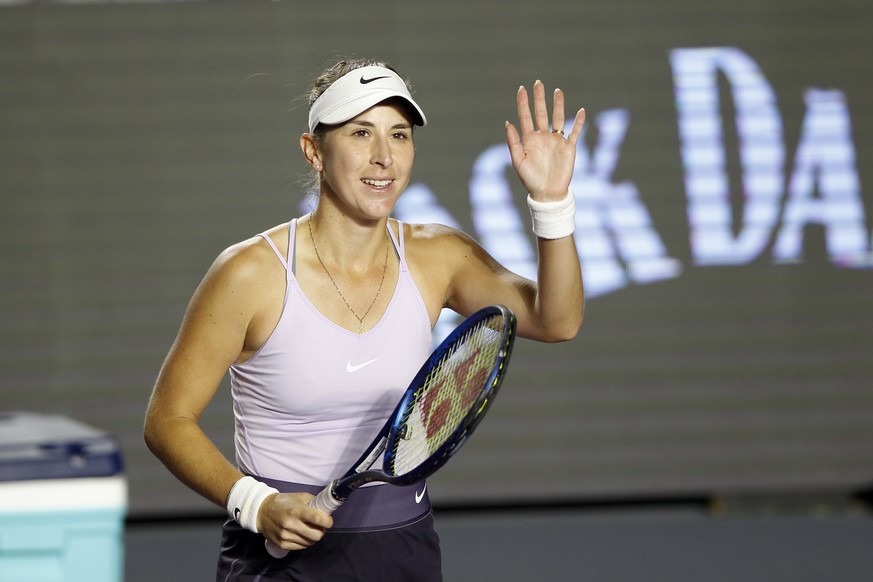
pixel 400 135
pixel 361 133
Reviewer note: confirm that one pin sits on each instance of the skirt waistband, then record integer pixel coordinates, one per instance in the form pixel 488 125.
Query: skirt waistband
pixel 373 507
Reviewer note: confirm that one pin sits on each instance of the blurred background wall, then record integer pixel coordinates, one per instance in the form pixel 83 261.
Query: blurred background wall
pixel 724 212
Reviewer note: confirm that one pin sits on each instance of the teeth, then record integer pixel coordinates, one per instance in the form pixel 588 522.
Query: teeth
pixel 377 183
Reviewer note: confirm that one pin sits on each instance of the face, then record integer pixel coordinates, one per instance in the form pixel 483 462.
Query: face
pixel 367 161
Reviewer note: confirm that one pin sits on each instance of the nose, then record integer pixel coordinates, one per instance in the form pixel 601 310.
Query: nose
pixel 381 155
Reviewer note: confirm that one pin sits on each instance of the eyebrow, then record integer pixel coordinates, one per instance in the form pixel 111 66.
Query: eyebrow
pixel 364 123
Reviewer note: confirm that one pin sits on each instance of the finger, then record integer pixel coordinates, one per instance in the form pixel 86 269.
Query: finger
pixel 516 149
pixel 310 534
pixel 525 123
pixel 300 534
pixel 578 124
pixel 558 111
pixel 541 113
pixel 317 518
pixel 294 542
pixel 291 540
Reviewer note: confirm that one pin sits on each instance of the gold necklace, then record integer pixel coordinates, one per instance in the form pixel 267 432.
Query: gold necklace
pixel 335 286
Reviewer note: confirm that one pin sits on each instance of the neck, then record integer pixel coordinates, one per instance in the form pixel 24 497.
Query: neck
pixel 363 272
pixel 347 243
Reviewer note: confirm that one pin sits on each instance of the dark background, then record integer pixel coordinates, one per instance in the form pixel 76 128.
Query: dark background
pixel 139 140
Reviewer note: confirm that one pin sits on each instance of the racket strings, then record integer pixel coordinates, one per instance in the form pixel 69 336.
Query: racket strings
pixel 448 395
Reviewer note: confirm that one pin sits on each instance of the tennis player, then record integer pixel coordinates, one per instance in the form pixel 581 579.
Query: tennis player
pixel 323 321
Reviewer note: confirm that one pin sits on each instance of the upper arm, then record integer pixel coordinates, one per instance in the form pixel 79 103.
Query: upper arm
pixel 211 337
pixel 479 280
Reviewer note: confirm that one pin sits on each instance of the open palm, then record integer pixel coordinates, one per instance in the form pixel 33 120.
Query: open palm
pixel 543 158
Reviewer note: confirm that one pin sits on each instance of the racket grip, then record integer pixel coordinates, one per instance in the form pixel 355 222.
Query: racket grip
pixel 275 550
pixel 324 501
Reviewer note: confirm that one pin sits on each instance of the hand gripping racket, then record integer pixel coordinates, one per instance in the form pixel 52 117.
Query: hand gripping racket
pixel 438 412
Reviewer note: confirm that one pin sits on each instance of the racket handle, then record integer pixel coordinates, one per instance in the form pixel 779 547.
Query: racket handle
pixel 324 501
pixel 275 550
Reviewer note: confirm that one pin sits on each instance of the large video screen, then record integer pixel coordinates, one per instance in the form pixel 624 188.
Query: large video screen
pixel 724 215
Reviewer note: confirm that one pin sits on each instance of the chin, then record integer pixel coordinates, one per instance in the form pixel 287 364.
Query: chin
pixel 381 209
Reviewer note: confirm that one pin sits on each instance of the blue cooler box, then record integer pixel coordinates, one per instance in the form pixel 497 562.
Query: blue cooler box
pixel 63 499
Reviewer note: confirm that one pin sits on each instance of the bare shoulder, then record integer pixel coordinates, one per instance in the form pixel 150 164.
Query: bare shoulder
pixel 452 247
pixel 428 231
pixel 436 238
pixel 248 265
pixel 240 297
pixel 241 260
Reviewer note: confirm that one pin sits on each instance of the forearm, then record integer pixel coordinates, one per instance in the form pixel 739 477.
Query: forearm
pixel 560 301
pixel 560 297
pixel 183 447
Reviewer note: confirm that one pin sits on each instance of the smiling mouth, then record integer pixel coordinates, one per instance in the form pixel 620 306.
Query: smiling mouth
pixel 377 183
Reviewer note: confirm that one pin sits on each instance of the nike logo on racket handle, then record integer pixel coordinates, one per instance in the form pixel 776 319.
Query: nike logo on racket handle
pixel 325 502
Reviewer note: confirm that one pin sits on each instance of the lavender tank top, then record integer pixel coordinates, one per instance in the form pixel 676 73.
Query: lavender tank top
pixel 309 402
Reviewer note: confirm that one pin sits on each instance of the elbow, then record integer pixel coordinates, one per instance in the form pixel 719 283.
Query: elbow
pixel 151 435
pixel 563 335
pixel 565 330
pixel 158 438
pixel 155 432
pixel 162 430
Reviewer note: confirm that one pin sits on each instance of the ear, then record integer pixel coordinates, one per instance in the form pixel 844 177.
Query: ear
pixel 310 151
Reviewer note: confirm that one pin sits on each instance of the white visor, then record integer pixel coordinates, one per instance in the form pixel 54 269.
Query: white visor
pixel 357 91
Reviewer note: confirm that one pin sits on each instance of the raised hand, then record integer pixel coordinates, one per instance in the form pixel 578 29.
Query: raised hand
pixel 541 154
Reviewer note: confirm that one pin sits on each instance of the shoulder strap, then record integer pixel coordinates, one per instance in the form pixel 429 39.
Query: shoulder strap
pixel 290 253
pixel 292 238
pixel 398 243
pixel 270 242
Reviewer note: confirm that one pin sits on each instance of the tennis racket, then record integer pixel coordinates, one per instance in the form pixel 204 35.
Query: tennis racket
pixel 438 412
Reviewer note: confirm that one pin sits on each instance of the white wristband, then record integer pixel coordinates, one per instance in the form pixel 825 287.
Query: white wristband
pixel 553 220
pixel 245 499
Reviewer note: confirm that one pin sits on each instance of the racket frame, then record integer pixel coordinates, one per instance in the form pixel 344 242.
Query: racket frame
pixel 361 474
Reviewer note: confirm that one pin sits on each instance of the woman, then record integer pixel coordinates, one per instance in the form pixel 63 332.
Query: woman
pixel 323 322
